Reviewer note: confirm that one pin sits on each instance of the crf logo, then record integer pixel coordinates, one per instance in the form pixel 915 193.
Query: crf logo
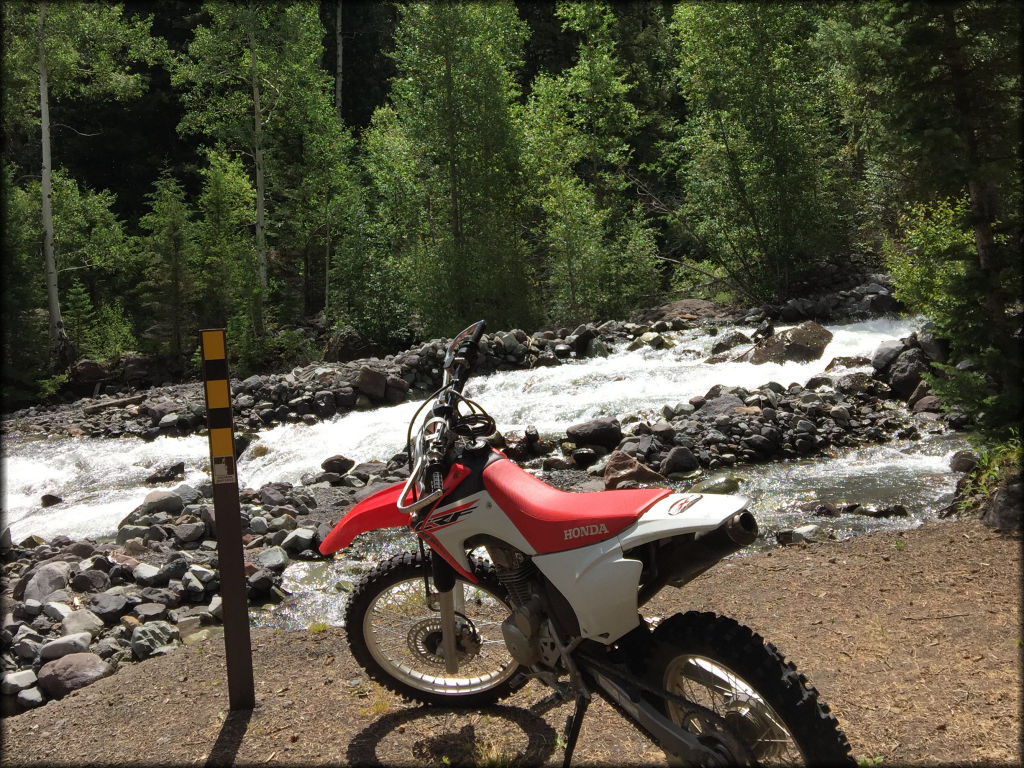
pixel 585 530
pixel 441 519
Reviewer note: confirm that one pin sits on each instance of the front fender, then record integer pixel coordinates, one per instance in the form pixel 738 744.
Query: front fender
pixel 377 511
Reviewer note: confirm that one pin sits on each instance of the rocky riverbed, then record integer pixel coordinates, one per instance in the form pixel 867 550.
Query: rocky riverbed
pixel 75 610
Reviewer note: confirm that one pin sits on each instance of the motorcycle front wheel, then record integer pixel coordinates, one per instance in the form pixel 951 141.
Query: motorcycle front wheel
pixel 394 632
pixel 742 685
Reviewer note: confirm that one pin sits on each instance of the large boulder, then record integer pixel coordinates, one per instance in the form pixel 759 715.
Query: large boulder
pixel 905 371
pixel 605 432
pixel 801 343
pixel 61 676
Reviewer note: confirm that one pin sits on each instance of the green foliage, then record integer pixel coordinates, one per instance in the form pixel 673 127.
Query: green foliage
pixel 759 198
pixel 167 250
pixel 443 159
pixel 598 251
pixel 932 260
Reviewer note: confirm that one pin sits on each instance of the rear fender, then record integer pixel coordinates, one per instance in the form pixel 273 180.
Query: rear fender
pixel 377 511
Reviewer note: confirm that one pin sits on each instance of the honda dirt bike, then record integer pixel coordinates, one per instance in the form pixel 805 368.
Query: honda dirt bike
pixel 557 598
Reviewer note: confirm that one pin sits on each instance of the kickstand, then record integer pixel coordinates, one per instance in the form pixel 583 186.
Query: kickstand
pixel 572 728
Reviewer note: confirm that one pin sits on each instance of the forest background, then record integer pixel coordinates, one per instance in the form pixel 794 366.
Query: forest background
pixel 394 171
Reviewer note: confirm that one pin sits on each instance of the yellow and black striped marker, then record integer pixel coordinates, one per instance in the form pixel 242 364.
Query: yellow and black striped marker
pixel 228 517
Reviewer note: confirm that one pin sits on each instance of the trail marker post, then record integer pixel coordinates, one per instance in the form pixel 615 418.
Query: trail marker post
pixel 228 516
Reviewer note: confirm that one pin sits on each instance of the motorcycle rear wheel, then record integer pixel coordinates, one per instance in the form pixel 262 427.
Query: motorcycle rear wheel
pixel 767 706
pixel 396 637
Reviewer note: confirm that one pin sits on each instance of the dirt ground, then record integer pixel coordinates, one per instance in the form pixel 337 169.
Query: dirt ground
pixel 914 639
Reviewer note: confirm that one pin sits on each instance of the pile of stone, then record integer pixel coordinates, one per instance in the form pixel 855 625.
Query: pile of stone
pixel 73 611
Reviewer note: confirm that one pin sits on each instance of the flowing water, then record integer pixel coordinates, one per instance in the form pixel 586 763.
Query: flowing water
pixel 102 480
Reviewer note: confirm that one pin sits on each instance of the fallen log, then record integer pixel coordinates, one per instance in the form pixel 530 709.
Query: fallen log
pixel 120 403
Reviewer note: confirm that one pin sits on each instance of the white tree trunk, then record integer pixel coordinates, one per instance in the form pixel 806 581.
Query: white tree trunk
pixel 62 345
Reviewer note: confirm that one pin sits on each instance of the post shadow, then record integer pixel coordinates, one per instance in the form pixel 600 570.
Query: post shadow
pixel 229 740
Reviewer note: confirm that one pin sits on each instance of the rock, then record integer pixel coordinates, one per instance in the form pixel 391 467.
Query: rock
pixel 61 676
pixel 146 612
pixel 274 558
pixel 605 432
pixel 13 682
pixel 298 540
pixel 45 579
pixel 1002 510
pixel 90 580
pixel 150 638
pixel 57 611
pixel 963 461
pixel 905 371
pixel 679 459
pixel 623 468
pixel 109 607
pixel 372 383
pixel 161 501
pixel 884 355
pixel 802 343
pixel 187 532
pixel 726 484
pixel 31 698
pixel 147 575
pixel 893 510
pixel 928 404
pixel 167 473
pixel 49 500
pixel 76 642
pixel 82 620
pixel 728 341
pixel 338 464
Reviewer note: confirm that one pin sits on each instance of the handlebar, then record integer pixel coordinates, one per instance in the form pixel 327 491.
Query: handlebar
pixel 427 455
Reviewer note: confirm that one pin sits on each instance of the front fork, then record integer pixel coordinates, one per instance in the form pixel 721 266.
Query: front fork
pixel 451 600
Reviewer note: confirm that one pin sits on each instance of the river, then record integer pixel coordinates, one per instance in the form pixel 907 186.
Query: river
pixel 102 480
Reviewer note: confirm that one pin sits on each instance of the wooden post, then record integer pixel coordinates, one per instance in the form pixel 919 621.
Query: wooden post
pixel 228 516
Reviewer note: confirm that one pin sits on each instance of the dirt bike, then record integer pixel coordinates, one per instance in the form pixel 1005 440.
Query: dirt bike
pixel 556 598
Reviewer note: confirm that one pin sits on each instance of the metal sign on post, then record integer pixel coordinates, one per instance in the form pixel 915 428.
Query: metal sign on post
pixel 228 515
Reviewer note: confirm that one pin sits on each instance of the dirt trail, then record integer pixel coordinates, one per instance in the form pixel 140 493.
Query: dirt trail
pixel 913 638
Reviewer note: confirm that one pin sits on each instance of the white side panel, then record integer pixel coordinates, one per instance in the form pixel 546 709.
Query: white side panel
pixel 600 584
pixel 486 517
pixel 681 513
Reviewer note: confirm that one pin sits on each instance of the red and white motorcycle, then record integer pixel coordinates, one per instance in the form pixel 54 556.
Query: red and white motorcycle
pixel 557 598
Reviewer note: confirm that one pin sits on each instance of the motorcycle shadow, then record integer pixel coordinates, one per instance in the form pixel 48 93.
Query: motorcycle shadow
pixel 428 735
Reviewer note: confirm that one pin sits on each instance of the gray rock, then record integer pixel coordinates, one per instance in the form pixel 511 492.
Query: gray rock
pixel 187 532
pixel 298 540
pixel 149 638
pixel 271 496
pixel 338 464
pixel 57 611
pixel 126 532
pixel 46 579
pixel 885 354
pixel 372 383
pixel 146 612
pixel 30 698
pixel 963 461
pixel 605 432
pixel 14 682
pixel 59 677
pixel 91 580
pixel 802 343
pixel 76 642
pixel 1002 511
pixel 679 459
pixel 147 575
pixel 623 468
pixel 258 525
pixel 188 494
pixel 109 607
pixel 905 371
pixel 161 501
pixel 82 620
pixel 274 558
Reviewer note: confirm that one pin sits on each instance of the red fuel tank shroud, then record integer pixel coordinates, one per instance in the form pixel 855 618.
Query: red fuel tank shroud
pixel 377 511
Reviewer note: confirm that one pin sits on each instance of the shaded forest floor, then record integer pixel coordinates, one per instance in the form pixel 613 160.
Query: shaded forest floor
pixel 913 638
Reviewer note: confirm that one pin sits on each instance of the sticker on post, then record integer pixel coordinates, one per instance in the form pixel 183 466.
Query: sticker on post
pixel 224 469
